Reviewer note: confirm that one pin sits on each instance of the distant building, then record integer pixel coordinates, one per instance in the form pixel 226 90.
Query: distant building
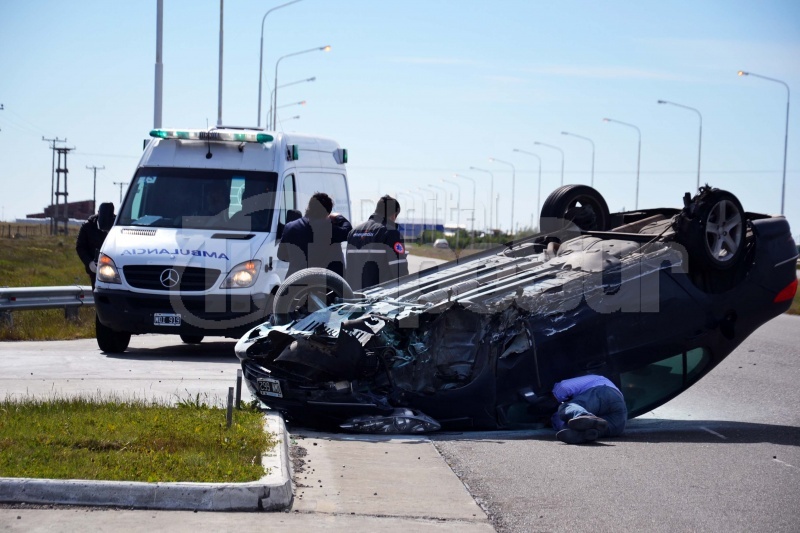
pixel 77 210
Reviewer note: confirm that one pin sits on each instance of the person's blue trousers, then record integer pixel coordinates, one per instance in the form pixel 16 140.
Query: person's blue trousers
pixel 602 401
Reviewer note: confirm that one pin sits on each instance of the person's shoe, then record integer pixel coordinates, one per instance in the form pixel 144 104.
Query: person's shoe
pixel 572 436
pixel 584 422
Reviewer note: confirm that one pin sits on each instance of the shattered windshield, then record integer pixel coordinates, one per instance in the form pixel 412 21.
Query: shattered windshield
pixel 200 198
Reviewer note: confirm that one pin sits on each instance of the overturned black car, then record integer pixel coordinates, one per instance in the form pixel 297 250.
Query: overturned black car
pixel 652 299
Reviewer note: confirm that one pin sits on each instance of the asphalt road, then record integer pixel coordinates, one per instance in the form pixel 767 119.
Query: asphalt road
pixel 723 456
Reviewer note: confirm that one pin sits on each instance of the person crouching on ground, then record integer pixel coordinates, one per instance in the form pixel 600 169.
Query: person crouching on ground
pixel 590 407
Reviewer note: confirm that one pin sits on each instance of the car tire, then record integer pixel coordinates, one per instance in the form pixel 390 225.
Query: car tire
pixel 110 341
pixel 713 230
pixel 574 204
pixel 192 339
pixel 296 289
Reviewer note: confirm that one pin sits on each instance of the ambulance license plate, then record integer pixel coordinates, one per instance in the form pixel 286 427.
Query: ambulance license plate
pixel 270 387
pixel 166 319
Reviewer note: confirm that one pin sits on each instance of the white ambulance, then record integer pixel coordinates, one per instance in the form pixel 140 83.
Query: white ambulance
pixel 193 248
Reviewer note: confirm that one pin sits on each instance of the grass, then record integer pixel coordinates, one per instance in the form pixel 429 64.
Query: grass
pixel 29 258
pixel 108 439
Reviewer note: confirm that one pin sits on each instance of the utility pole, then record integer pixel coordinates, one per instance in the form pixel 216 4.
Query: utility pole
pixel 120 183
pixel 94 186
pixel 53 177
pixel 59 171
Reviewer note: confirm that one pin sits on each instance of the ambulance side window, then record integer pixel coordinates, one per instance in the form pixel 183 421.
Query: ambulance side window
pixel 288 202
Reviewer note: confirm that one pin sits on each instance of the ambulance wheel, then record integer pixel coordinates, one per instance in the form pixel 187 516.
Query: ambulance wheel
pixel 580 205
pixel 307 291
pixel 110 341
pixel 192 339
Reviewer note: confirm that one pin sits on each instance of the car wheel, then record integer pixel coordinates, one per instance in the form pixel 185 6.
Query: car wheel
pixel 577 204
pixel 307 291
pixel 110 341
pixel 714 234
pixel 192 339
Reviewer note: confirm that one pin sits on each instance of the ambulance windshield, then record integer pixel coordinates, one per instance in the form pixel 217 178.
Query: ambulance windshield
pixel 228 200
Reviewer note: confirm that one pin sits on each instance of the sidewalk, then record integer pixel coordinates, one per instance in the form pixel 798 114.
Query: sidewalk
pixel 344 483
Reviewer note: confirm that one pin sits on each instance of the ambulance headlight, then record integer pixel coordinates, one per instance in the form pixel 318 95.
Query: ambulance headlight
pixel 107 271
pixel 242 275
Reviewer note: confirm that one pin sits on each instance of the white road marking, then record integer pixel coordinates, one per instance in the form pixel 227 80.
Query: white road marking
pixel 787 464
pixel 714 433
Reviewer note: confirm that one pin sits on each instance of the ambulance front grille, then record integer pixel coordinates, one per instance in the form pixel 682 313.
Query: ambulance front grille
pixel 189 278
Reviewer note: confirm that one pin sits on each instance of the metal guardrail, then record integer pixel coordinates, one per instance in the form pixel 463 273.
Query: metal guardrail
pixel 70 298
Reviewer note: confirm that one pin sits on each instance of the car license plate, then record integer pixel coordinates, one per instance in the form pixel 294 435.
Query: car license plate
pixel 270 387
pixel 166 319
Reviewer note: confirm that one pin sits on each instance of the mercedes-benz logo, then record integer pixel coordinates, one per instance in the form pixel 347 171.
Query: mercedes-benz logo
pixel 169 278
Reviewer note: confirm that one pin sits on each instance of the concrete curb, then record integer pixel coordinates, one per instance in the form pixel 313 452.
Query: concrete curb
pixel 273 492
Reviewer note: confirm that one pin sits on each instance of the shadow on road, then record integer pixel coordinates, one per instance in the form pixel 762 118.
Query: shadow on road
pixel 205 352
pixel 649 431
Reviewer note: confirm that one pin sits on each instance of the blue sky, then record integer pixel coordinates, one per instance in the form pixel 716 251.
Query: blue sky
pixel 420 90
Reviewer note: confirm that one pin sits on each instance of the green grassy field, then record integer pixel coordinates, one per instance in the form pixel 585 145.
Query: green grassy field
pixel 30 259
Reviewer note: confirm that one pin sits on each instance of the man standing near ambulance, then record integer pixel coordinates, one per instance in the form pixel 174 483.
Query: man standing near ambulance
pixel 376 252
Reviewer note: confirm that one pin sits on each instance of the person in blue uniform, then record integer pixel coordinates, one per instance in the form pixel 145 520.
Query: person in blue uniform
pixel 314 240
pixel 376 252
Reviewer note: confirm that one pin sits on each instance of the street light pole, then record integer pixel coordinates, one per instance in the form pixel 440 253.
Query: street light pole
pixel 435 205
pixel 261 54
pixel 424 212
pixel 539 187
pixel 591 182
pixel 513 187
pixel 458 209
pixel 444 206
pixel 474 213
pixel 562 157
pixel 325 48
pixel 269 113
pixel 786 134
pixel 492 215
pixel 638 154
pixel 700 138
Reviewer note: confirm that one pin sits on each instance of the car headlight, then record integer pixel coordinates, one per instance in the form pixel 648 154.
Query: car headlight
pixel 107 271
pixel 242 275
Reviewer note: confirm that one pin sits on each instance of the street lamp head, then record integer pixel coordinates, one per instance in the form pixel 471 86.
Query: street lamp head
pixel 312 79
pixel 606 120
pixel 536 142
pixel 326 48
pixel 662 101
pixel 564 133
pixel 743 73
pixel 491 159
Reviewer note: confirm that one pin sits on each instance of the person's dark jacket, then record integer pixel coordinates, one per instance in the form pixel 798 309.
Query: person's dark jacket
pixel 314 242
pixel 376 253
pixel 91 236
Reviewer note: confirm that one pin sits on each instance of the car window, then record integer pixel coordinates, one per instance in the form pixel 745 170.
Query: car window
pixel 652 384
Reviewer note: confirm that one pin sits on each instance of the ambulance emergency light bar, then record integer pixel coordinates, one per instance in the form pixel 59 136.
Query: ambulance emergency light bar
pixel 200 135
